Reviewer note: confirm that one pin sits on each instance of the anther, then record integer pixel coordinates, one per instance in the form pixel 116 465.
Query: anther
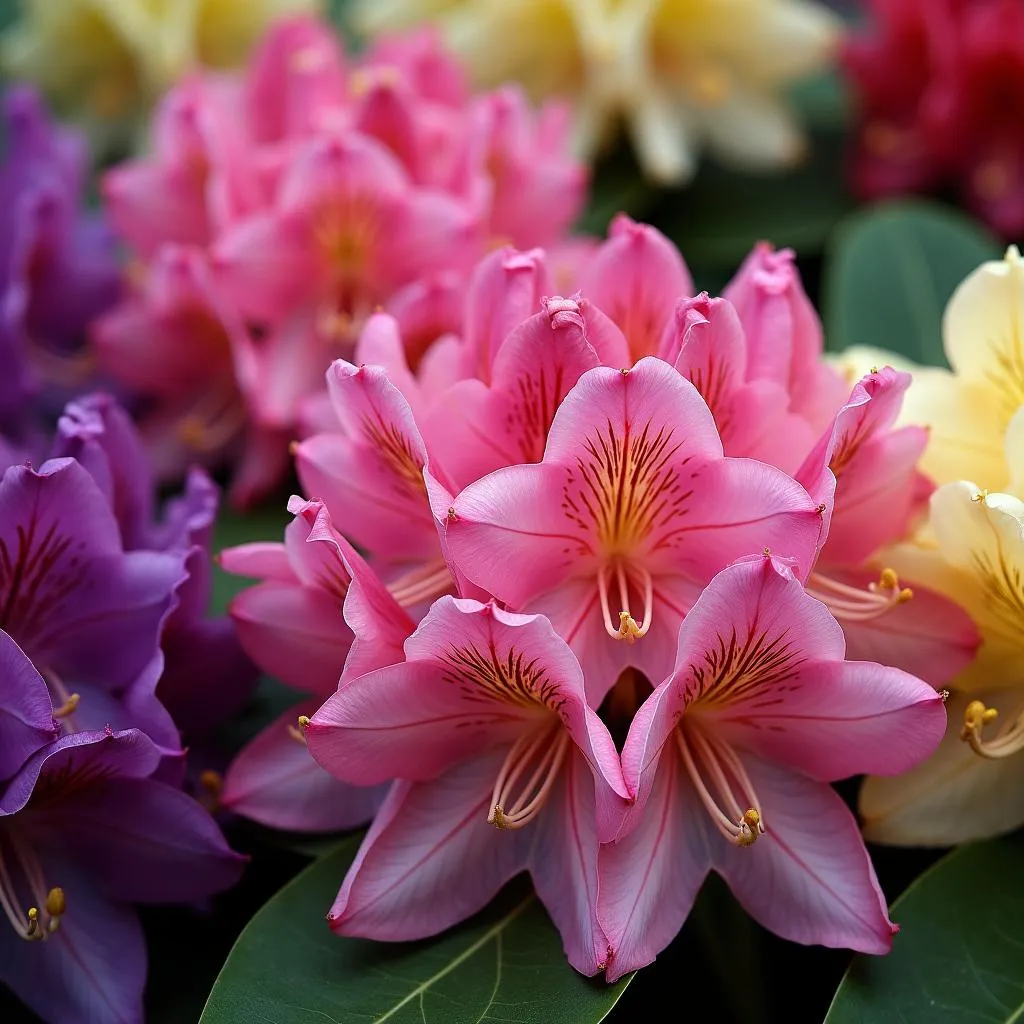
pixel 68 707
pixel 1008 741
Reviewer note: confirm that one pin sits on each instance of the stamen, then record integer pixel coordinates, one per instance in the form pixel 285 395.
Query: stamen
pixel 423 584
pixel 212 785
pixel 510 813
pixel 298 733
pixel 68 707
pixel 32 926
pixel 627 628
pixel 719 761
pixel 852 604
pixel 1008 741
pixel 68 701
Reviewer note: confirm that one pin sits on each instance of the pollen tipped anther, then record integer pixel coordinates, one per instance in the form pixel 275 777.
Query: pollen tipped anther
pixel 298 732
pixel 69 707
pixel 1007 742
pixel 850 604
pixel 515 803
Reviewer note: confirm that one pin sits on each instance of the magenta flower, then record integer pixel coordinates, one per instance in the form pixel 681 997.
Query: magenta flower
pixel 631 511
pixel 85 832
pixel 728 762
pixel 937 85
pixel 505 769
pixel 293 627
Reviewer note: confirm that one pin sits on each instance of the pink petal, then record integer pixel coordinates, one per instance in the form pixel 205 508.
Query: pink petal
pixel 637 277
pixel 506 289
pixel 479 428
pixel 564 865
pixel 650 878
pixel 265 266
pixel 261 560
pixel 296 634
pixel 276 782
pixel 430 859
pixel 808 878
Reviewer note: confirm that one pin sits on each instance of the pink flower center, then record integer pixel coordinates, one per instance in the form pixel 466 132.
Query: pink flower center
pixel 721 783
pixel 20 871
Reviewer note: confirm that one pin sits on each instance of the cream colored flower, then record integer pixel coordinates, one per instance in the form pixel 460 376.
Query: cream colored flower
pixel 969 409
pixel 680 74
pixel 973 786
pixel 107 60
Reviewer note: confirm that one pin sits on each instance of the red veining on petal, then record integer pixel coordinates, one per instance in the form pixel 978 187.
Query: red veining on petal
pixel 737 671
pixel 396 449
pixel 511 678
pixel 536 400
pixel 625 487
pixel 712 383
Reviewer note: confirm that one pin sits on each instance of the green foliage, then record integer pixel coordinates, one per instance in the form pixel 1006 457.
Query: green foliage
pixel 892 269
pixel 505 965
pixel 959 956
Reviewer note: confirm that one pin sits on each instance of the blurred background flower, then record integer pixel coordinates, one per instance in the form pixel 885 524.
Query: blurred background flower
pixel 680 75
pixel 105 62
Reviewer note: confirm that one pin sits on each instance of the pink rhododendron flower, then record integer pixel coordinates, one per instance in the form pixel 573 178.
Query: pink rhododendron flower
pixel 291 624
pixel 728 762
pixel 505 768
pixel 632 509
pixel 938 86
pixel 320 189
pixel 864 470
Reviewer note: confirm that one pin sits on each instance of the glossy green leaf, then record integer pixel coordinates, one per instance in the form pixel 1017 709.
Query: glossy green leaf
pixel 959 956
pixel 504 965
pixel 723 213
pixel 891 272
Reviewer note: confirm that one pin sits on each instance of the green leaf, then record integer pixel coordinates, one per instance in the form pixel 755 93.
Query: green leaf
pixel 891 273
pixel 506 965
pixel 959 956
pixel 723 213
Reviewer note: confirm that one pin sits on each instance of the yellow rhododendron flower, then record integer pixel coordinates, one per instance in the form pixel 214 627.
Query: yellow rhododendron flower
pixel 971 550
pixel 108 60
pixel 969 409
pixel 680 74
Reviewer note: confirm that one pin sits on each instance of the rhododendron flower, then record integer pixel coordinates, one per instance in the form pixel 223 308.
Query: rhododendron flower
pixel 504 766
pixel 937 85
pixel 205 677
pixel 291 624
pixel 632 509
pixel 680 75
pixel 728 763
pixel 865 470
pixel 320 190
pixel 87 612
pixel 86 830
pixel 106 62
pixel 59 268
pixel 973 552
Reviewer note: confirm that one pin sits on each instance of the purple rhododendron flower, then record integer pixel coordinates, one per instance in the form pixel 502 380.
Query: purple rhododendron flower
pixel 58 269
pixel 86 831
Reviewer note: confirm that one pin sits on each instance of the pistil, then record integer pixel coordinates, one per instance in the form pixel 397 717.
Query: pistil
pixel 853 604
pixel 724 798
pixel 546 752
pixel 1008 741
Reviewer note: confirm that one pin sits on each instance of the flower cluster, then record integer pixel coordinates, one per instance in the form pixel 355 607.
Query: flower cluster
pixel 680 76
pixel 58 270
pixel 106 63
pixel 939 85
pixel 280 207
pixel 972 550
pixel 102 638
pixel 631 514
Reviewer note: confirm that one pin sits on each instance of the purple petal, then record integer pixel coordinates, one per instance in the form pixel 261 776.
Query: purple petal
pixel 26 719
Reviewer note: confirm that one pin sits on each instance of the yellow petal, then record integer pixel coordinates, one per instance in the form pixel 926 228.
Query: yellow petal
pixel 1015 453
pixel 983 331
pixel 952 797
